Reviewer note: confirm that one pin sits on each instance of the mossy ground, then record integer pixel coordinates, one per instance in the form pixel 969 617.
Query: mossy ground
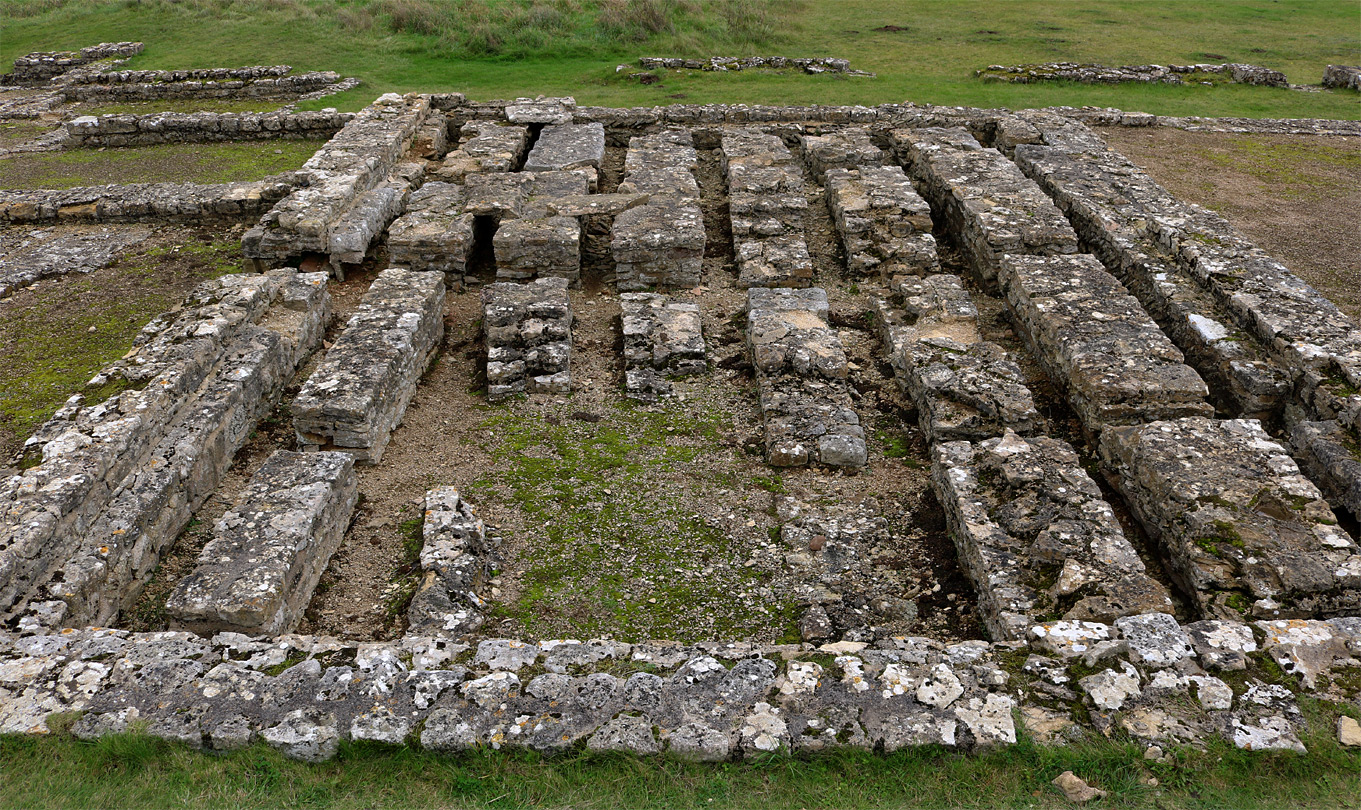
pixel 163 163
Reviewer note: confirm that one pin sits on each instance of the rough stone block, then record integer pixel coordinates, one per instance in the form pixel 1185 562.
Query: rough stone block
pixel 434 234
pixel 662 338
pixel 457 554
pixel 563 147
pixel 488 146
pixel 885 226
pixel 258 572
pixel 528 331
pixel 849 148
pixel 527 249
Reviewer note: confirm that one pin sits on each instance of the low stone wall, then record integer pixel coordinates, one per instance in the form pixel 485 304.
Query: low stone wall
pixel 884 225
pixel 662 338
pixel 69 253
pixel 813 65
pixel 487 147
pixel 1344 77
pixel 841 149
pixel 358 394
pixel 528 331
pixel 767 206
pixel 661 243
pixel 1146 74
pixel 113 482
pixel 148 202
pixel 458 553
pixel 434 233
pixel 258 572
pixel 40 67
pixel 89 131
pixel 1145 676
pixel 1111 117
pixel 266 86
pixel 190 75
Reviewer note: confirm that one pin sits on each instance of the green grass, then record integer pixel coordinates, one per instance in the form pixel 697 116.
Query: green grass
pixel 164 163
pixel 135 771
pixel 572 46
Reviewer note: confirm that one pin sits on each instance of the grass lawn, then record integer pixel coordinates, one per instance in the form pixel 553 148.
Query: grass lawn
pixel 500 48
pixel 135 771
pixel 223 162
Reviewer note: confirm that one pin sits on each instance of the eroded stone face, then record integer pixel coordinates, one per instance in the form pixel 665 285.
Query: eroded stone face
pixel 528 329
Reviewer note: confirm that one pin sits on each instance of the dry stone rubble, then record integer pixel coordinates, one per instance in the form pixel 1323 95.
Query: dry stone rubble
pixel 458 551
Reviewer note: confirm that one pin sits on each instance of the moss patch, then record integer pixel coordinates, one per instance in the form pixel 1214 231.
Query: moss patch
pixel 165 163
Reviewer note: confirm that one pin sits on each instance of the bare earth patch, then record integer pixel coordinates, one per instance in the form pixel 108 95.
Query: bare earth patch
pixel 1297 196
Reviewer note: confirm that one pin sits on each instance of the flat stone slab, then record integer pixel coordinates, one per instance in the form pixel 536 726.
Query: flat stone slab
pixel 522 194
pixel 1035 536
pixel 568 146
pixel 528 331
pixel 662 338
pixel 850 148
pixel 884 225
pixel 595 205
pixel 258 572
pixel 434 234
pixel 1092 336
pixel 358 394
pixel 1243 531
pixel 487 146
pixel 992 208
pixel 535 248
pixel 541 110
pixel 47 255
pixel 457 555
pixel 670 148
pixel 801 371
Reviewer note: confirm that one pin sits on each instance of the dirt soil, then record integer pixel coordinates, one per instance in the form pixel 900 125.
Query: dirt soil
pixel 1297 196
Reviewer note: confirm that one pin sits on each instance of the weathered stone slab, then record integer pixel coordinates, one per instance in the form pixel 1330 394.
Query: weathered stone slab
pixel 662 338
pixel 850 148
pixel 991 207
pixel 371 214
pixel 527 249
pixel 143 202
pixel 1243 531
pixel 89 452
pixel 801 377
pixel 781 261
pixel 884 224
pixel 51 256
pixel 521 194
pixel 963 386
pixel 766 201
pixel 257 573
pixel 660 244
pixel 1330 453
pixel 1115 364
pixel 434 234
pixel 670 148
pixel 1109 201
pixel 767 206
pixel 563 147
pixel 595 205
pixel 457 555
pixel 1035 536
pixel 528 329
pixel 541 110
pixel 359 392
pixel 488 146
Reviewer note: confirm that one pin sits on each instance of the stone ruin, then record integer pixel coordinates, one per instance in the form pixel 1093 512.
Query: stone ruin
pixel 1142 573
pixel 1139 74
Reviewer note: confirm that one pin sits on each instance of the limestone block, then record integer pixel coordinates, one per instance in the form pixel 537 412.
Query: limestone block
pixel 488 146
pixel 434 234
pixel 537 248
pixel 457 553
pixel 662 338
pixel 567 146
pixel 528 331
pixel 849 148
pixel 884 225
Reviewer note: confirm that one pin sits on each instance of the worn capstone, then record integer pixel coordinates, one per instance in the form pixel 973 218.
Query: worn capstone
pixel 662 242
pixel 663 338
pixel 267 553
pixel 487 146
pixel 801 378
pixel 528 331
pixel 1036 537
pixel 1243 531
pixel 457 554
pixel 357 395
pixel 434 233
pixel 884 225
pixel 530 248
pixel 568 146
pixel 850 148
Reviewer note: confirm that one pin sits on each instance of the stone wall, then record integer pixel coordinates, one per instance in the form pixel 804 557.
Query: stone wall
pixel 661 243
pixel 148 202
pixel 40 67
pixel 458 553
pixel 1144 74
pixel 1346 77
pixel 812 65
pixel 113 87
pixel 528 330
pixel 89 131
pixel 663 338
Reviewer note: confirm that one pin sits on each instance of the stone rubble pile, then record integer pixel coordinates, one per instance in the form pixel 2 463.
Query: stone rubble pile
pixel 1144 676
pixel 358 394
pixel 90 131
pixel 801 380
pixel 528 330
pixel 36 68
pixel 361 156
pixel 1155 74
pixel 458 553
pixel 267 553
pixel 147 202
pixel 1346 77
pixel 663 339
pixel 1036 537
pixel 111 480
pixel 660 243
pixel 767 206
pixel 884 225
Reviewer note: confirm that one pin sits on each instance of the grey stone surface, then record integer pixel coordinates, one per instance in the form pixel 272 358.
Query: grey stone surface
pixel 991 207
pixel 147 202
pixel 1243 532
pixel 131 129
pixel 801 378
pixel 561 147
pixel 1342 76
pixel 487 146
pixel 767 207
pixel 457 553
pixel 850 148
pixel 548 247
pixel 267 553
pixel 1330 454
pixel 43 65
pixel 371 214
pixel 357 395
pixel 1135 74
pixel 434 233
pixel 661 243
pixel 46 255
pixel 528 331
pixel 663 338
pixel 1036 537
pixel 1116 366
pixel 884 225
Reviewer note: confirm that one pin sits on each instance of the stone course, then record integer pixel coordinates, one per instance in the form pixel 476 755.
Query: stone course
pixel 90 131
pixel 660 243
pixel 357 395
pixel 147 202
pixel 801 378
pixel 663 338
pixel 138 85
pixel 568 146
pixel 1144 74
pixel 884 225
pixel 36 68
pixel 1347 77
pixel 812 65
pixel 767 207
pixel 458 552
pixel 434 234
pixel 528 329
pixel 849 148
pixel 1243 531
pixel 114 480
pixel 257 573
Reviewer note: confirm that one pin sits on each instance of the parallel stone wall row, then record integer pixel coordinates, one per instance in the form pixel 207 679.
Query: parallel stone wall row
pixel 142 130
